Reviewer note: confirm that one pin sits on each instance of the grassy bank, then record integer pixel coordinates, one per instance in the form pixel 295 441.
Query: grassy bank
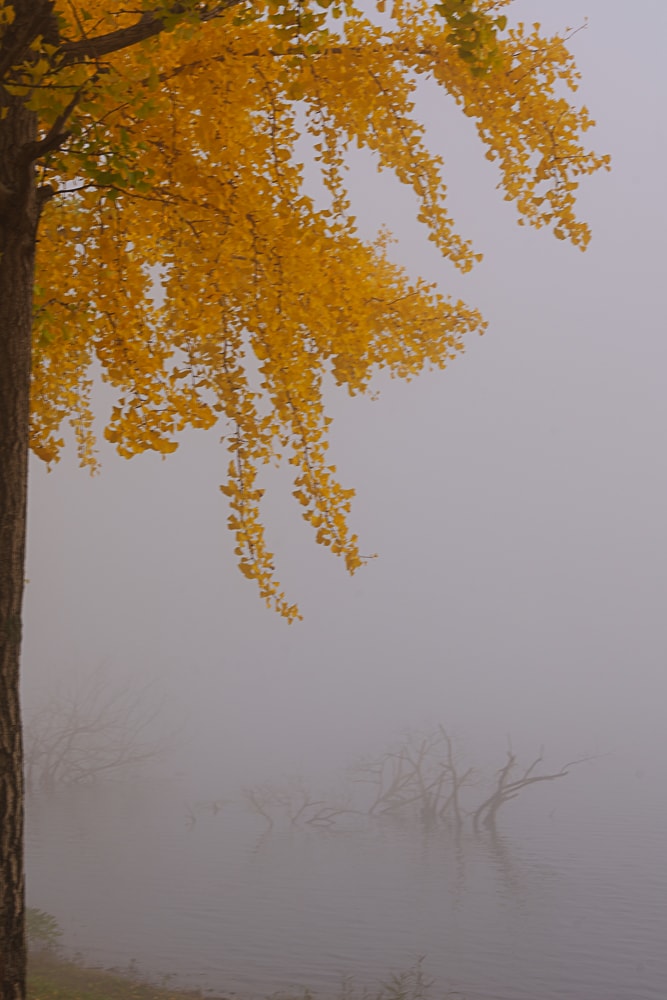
pixel 53 978
pixel 49 978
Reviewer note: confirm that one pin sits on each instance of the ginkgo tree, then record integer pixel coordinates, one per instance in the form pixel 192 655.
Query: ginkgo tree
pixel 158 229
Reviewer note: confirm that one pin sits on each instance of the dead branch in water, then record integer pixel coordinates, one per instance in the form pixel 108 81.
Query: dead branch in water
pixel 508 788
pixel 419 778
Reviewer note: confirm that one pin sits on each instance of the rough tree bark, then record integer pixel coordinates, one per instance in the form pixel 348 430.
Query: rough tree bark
pixel 18 233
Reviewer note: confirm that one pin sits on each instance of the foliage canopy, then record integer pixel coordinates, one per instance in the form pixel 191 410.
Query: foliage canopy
pixel 171 147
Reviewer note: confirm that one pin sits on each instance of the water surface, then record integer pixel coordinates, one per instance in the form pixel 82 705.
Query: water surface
pixel 568 901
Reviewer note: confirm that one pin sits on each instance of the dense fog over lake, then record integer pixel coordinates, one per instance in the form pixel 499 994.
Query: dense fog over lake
pixel 516 503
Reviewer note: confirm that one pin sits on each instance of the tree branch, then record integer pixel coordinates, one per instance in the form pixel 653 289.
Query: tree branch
pixel 150 24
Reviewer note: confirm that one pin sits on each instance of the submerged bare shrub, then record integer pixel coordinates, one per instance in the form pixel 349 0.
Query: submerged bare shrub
pixel 88 730
pixel 510 780
pixel 295 802
pixel 419 778
pixel 420 775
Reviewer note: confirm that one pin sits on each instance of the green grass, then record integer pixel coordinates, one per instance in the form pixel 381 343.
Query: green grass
pixel 54 978
pixel 50 978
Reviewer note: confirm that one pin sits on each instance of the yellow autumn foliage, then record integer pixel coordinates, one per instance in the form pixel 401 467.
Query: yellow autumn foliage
pixel 181 254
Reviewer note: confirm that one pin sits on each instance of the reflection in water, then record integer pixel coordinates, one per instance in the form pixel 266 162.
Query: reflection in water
pixel 551 908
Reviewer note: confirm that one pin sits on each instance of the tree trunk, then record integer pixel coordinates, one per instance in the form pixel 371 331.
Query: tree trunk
pixel 18 233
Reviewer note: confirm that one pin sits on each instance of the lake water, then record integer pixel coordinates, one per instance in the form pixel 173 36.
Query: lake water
pixel 569 901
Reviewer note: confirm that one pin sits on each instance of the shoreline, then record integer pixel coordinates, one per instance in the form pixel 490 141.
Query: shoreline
pixel 54 976
pixel 51 977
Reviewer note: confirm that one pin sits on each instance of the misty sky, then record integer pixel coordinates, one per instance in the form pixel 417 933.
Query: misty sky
pixel 517 501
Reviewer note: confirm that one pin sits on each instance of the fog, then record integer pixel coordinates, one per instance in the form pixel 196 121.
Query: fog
pixel 516 503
